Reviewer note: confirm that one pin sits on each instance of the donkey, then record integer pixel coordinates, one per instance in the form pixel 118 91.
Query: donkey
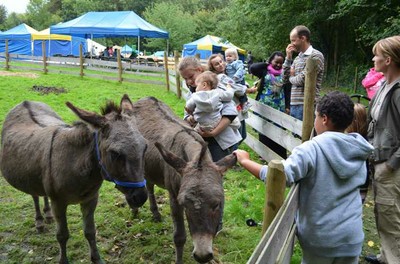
pixel 186 170
pixel 43 156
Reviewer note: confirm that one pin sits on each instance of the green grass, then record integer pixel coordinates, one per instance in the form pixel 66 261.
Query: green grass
pixel 121 237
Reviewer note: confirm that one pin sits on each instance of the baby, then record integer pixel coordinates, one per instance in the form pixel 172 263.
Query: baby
pixel 206 103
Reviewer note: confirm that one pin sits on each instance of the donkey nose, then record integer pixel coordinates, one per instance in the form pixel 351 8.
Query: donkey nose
pixel 137 197
pixel 203 259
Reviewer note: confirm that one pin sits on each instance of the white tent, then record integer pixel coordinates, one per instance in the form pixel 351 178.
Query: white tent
pixel 95 47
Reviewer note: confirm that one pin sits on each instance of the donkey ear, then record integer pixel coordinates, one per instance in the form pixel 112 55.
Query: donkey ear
pixel 89 117
pixel 226 163
pixel 126 103
pixel 177 163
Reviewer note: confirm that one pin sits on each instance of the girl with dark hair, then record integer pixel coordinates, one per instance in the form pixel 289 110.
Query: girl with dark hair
pixel 271 92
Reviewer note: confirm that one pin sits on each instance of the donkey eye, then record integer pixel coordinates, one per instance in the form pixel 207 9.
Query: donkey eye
pixel 215 207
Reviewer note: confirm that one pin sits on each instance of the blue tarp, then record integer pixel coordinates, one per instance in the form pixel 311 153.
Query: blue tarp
pixel 109 24
pixel 19 40
pixel 60 47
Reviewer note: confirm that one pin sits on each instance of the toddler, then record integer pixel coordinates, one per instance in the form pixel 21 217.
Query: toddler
pixel 235 70
pixel 206 102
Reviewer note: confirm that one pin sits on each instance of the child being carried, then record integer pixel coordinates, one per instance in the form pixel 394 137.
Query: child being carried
pixel 206 103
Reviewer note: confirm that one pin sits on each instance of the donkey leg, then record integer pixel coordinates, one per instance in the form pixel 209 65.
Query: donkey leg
pixel 47 211
pixel 87 209
pixel 59 211
pixel 153 203
pixel 179 228
pixel 39 223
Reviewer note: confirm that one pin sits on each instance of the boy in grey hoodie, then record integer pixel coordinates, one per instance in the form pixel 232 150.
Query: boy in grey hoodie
pixel 329 168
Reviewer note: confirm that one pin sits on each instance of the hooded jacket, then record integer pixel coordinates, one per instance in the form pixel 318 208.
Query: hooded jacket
pixel 329 169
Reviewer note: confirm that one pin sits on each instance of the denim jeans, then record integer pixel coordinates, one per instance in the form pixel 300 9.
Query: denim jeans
pixel 297 111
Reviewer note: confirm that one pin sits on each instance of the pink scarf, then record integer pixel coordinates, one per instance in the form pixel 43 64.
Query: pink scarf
pixel 273 71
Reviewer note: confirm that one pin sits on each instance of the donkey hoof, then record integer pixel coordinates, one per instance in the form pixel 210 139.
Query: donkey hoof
pixel 135 212
pixel 157 218
pixel 40 227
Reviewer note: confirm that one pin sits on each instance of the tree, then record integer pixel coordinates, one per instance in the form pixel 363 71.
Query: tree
pixel 3 17
pixel 172 18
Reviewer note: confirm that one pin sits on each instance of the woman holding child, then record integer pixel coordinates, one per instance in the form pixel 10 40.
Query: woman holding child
pixel 223 137
pixel 384 134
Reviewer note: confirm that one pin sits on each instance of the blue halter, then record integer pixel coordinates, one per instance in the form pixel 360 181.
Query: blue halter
pixel 107 176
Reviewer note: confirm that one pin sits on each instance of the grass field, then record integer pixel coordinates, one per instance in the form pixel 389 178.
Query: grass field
pixel 121 237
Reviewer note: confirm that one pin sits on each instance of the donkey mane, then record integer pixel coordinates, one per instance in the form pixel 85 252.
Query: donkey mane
pixel 111 106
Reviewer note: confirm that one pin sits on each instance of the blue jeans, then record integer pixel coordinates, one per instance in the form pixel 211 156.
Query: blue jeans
pixel 297 111
pixel 243 133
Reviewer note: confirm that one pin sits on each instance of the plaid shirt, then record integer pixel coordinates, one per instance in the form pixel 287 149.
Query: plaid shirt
pixel 298 80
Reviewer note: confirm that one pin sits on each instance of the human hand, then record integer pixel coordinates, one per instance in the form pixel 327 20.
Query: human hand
pixel 292 71
pixel 190 120
pixel 205 134
pixel 289 51
pixel 287 111
pixel 251 90
pixel 190 112
pixel 241 155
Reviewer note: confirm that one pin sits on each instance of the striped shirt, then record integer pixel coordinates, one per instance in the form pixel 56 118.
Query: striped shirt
pixel 298 80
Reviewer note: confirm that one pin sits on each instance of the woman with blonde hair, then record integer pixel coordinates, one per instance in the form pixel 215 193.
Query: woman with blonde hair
pixel 384 135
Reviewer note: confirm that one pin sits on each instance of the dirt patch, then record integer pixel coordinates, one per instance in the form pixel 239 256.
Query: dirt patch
pixel 48 89
pixel 20 74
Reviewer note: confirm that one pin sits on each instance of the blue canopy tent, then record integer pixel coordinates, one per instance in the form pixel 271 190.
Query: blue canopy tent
pixel 57 44
pixel 126 49
pixel 109 24
pixel 208 45
pixel 19 40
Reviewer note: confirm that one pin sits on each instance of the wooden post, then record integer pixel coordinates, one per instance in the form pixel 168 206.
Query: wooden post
pixel 355 80
pixel 166 69
pixel 7 56
pixel 119 65
pixel 275 192
pixel 44 56
pixel 177 75
pixel 309 98
pixel 81 60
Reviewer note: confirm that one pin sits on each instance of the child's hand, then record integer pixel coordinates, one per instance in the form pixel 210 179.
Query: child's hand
pixel 241 155
pixel 190 112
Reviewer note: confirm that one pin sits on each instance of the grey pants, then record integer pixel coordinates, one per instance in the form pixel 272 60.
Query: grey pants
pixel 387 212
pixel 310 258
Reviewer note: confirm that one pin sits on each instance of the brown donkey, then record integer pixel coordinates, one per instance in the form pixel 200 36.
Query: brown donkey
pixel 43 156
pixel 193 180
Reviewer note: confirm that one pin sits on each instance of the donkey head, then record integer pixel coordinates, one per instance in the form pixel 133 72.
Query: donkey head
pixel 202 195
pixel 119 147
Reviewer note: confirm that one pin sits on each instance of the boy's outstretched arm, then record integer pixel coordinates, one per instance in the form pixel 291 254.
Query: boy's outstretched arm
pixel 244 160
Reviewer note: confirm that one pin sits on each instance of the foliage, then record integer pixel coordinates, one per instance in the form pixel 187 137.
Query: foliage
pixel 343 30
pixel 172 18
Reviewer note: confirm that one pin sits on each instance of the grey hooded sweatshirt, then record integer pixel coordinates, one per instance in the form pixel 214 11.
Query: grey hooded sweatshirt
pixel 329 169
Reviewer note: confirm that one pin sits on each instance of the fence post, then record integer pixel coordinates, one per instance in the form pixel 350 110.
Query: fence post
pixel 166 69
pixel 7 57
pixel 44 56
pixel 177 75
pixel 309 98
pixel 81 60
pixel 275 192
pixel 119 65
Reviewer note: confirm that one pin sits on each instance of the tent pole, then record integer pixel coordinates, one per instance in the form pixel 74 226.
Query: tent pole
pixel 138 44
pixel 167 47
